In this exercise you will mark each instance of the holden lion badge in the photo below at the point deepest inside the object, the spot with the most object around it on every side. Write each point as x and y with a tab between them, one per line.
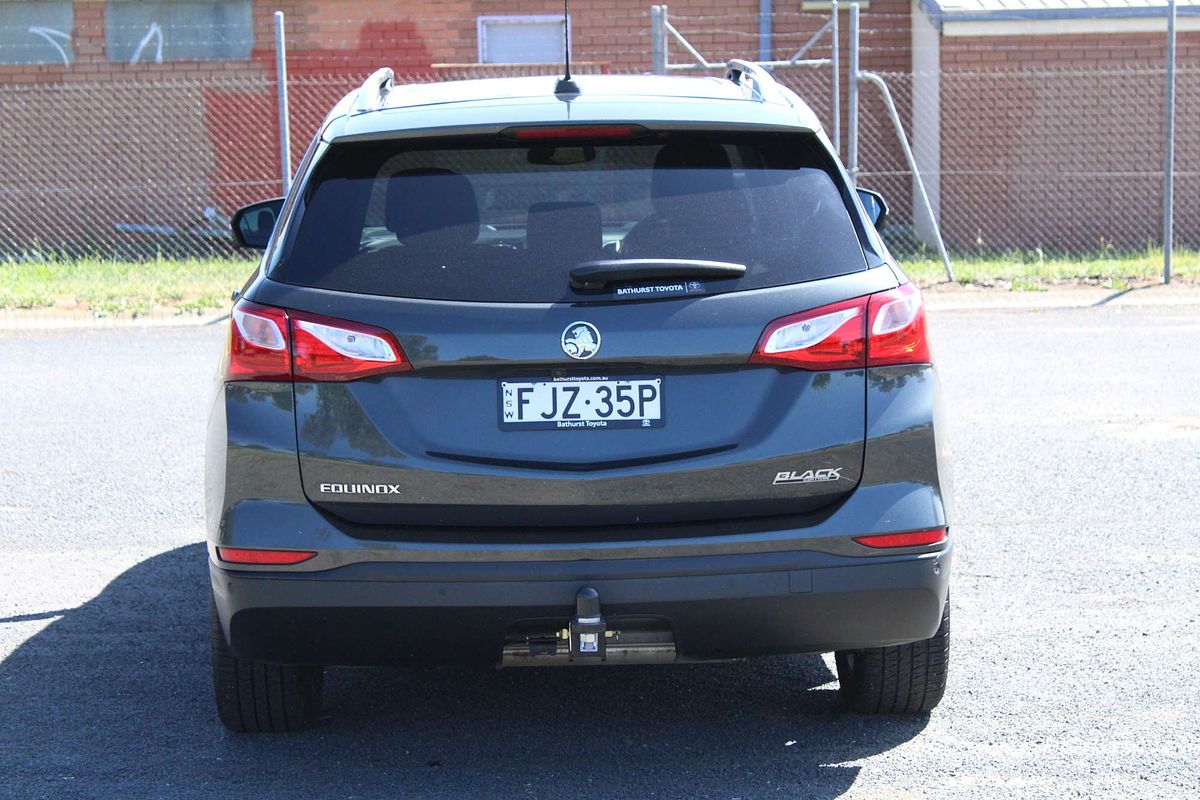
581	340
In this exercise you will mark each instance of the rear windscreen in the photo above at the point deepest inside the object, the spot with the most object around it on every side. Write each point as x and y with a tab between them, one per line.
488	219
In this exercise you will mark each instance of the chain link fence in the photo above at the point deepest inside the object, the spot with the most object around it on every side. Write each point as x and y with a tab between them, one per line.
1054	162
1017	160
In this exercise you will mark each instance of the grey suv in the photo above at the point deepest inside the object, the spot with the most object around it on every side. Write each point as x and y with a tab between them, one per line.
620	375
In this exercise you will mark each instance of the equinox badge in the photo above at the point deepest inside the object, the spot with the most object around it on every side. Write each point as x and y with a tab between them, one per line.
360	488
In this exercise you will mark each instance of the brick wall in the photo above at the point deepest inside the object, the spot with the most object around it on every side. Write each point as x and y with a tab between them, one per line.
1060	140
156	144
333	36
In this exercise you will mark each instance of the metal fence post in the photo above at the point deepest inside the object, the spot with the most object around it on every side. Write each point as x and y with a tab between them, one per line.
654	40
659	40
852	100
871	77
837	83
765	30
666	41
1169	167
285	135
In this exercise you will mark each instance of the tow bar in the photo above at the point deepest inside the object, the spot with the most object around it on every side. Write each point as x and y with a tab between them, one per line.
588	631
588	639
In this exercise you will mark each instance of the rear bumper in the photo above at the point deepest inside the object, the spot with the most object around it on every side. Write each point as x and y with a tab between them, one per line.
715	607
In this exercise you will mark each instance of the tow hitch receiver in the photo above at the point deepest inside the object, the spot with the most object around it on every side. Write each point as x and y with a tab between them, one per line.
588	630
621	640
587	638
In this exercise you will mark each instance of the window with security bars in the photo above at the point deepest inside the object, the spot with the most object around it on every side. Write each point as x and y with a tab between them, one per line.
158	31
521	39
36	33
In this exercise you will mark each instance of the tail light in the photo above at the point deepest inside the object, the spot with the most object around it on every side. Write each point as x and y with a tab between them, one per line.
907	539
878	330
325	349
831	337
258	344
271	344
897	334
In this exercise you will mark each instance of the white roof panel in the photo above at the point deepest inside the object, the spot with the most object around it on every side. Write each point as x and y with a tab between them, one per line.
494	103
1052	9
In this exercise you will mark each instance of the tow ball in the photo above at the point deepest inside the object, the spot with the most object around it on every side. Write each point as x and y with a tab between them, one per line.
588	631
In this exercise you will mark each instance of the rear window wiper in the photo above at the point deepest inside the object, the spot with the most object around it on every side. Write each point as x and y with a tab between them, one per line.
598	274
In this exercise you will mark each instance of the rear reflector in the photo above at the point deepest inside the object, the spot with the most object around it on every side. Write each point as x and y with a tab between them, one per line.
241	555
909	539
271	344
878	330
543	132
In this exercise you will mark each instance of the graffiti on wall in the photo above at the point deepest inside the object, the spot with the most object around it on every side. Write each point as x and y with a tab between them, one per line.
59	40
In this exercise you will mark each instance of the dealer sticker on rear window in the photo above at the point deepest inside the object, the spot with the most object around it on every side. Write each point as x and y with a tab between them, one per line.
652	291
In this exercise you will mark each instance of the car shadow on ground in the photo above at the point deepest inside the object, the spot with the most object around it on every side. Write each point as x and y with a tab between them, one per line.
114	699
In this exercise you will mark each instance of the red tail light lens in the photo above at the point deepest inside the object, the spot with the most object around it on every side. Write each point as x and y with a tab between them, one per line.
242	555
909	539
897	333
258	344
326	349
271	344
877	330
830	337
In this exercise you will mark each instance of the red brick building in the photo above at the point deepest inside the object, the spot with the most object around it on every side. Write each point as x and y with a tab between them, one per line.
1042	122
145	117
72	41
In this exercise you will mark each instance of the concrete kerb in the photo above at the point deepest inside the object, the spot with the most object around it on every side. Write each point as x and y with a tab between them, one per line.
955	297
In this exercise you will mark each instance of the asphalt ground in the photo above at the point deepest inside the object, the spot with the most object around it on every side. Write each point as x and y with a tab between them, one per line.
1075	667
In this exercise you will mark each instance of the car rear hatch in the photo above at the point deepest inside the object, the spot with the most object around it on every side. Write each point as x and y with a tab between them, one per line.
570	354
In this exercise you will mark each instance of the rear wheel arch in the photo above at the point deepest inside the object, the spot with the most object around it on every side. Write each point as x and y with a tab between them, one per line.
259	697
903	679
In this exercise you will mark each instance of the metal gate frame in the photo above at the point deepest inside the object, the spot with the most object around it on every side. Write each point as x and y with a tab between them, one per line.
661	28
662	31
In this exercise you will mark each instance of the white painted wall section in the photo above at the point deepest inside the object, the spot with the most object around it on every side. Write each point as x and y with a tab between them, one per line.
927	121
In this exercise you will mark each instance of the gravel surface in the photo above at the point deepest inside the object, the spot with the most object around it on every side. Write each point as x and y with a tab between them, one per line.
1075	667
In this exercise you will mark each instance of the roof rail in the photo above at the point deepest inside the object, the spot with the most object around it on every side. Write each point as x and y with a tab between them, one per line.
374	91
759	83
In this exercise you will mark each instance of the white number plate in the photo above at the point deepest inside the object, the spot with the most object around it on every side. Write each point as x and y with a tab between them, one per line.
567	403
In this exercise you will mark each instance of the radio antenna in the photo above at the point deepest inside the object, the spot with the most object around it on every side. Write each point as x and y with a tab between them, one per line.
565	85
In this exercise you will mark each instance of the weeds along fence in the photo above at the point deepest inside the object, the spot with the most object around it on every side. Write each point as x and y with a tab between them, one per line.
1020	155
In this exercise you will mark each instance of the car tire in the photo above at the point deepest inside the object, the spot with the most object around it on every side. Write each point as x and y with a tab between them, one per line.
259	697
904	679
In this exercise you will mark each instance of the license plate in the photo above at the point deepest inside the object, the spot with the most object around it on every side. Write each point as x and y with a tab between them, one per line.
580	403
